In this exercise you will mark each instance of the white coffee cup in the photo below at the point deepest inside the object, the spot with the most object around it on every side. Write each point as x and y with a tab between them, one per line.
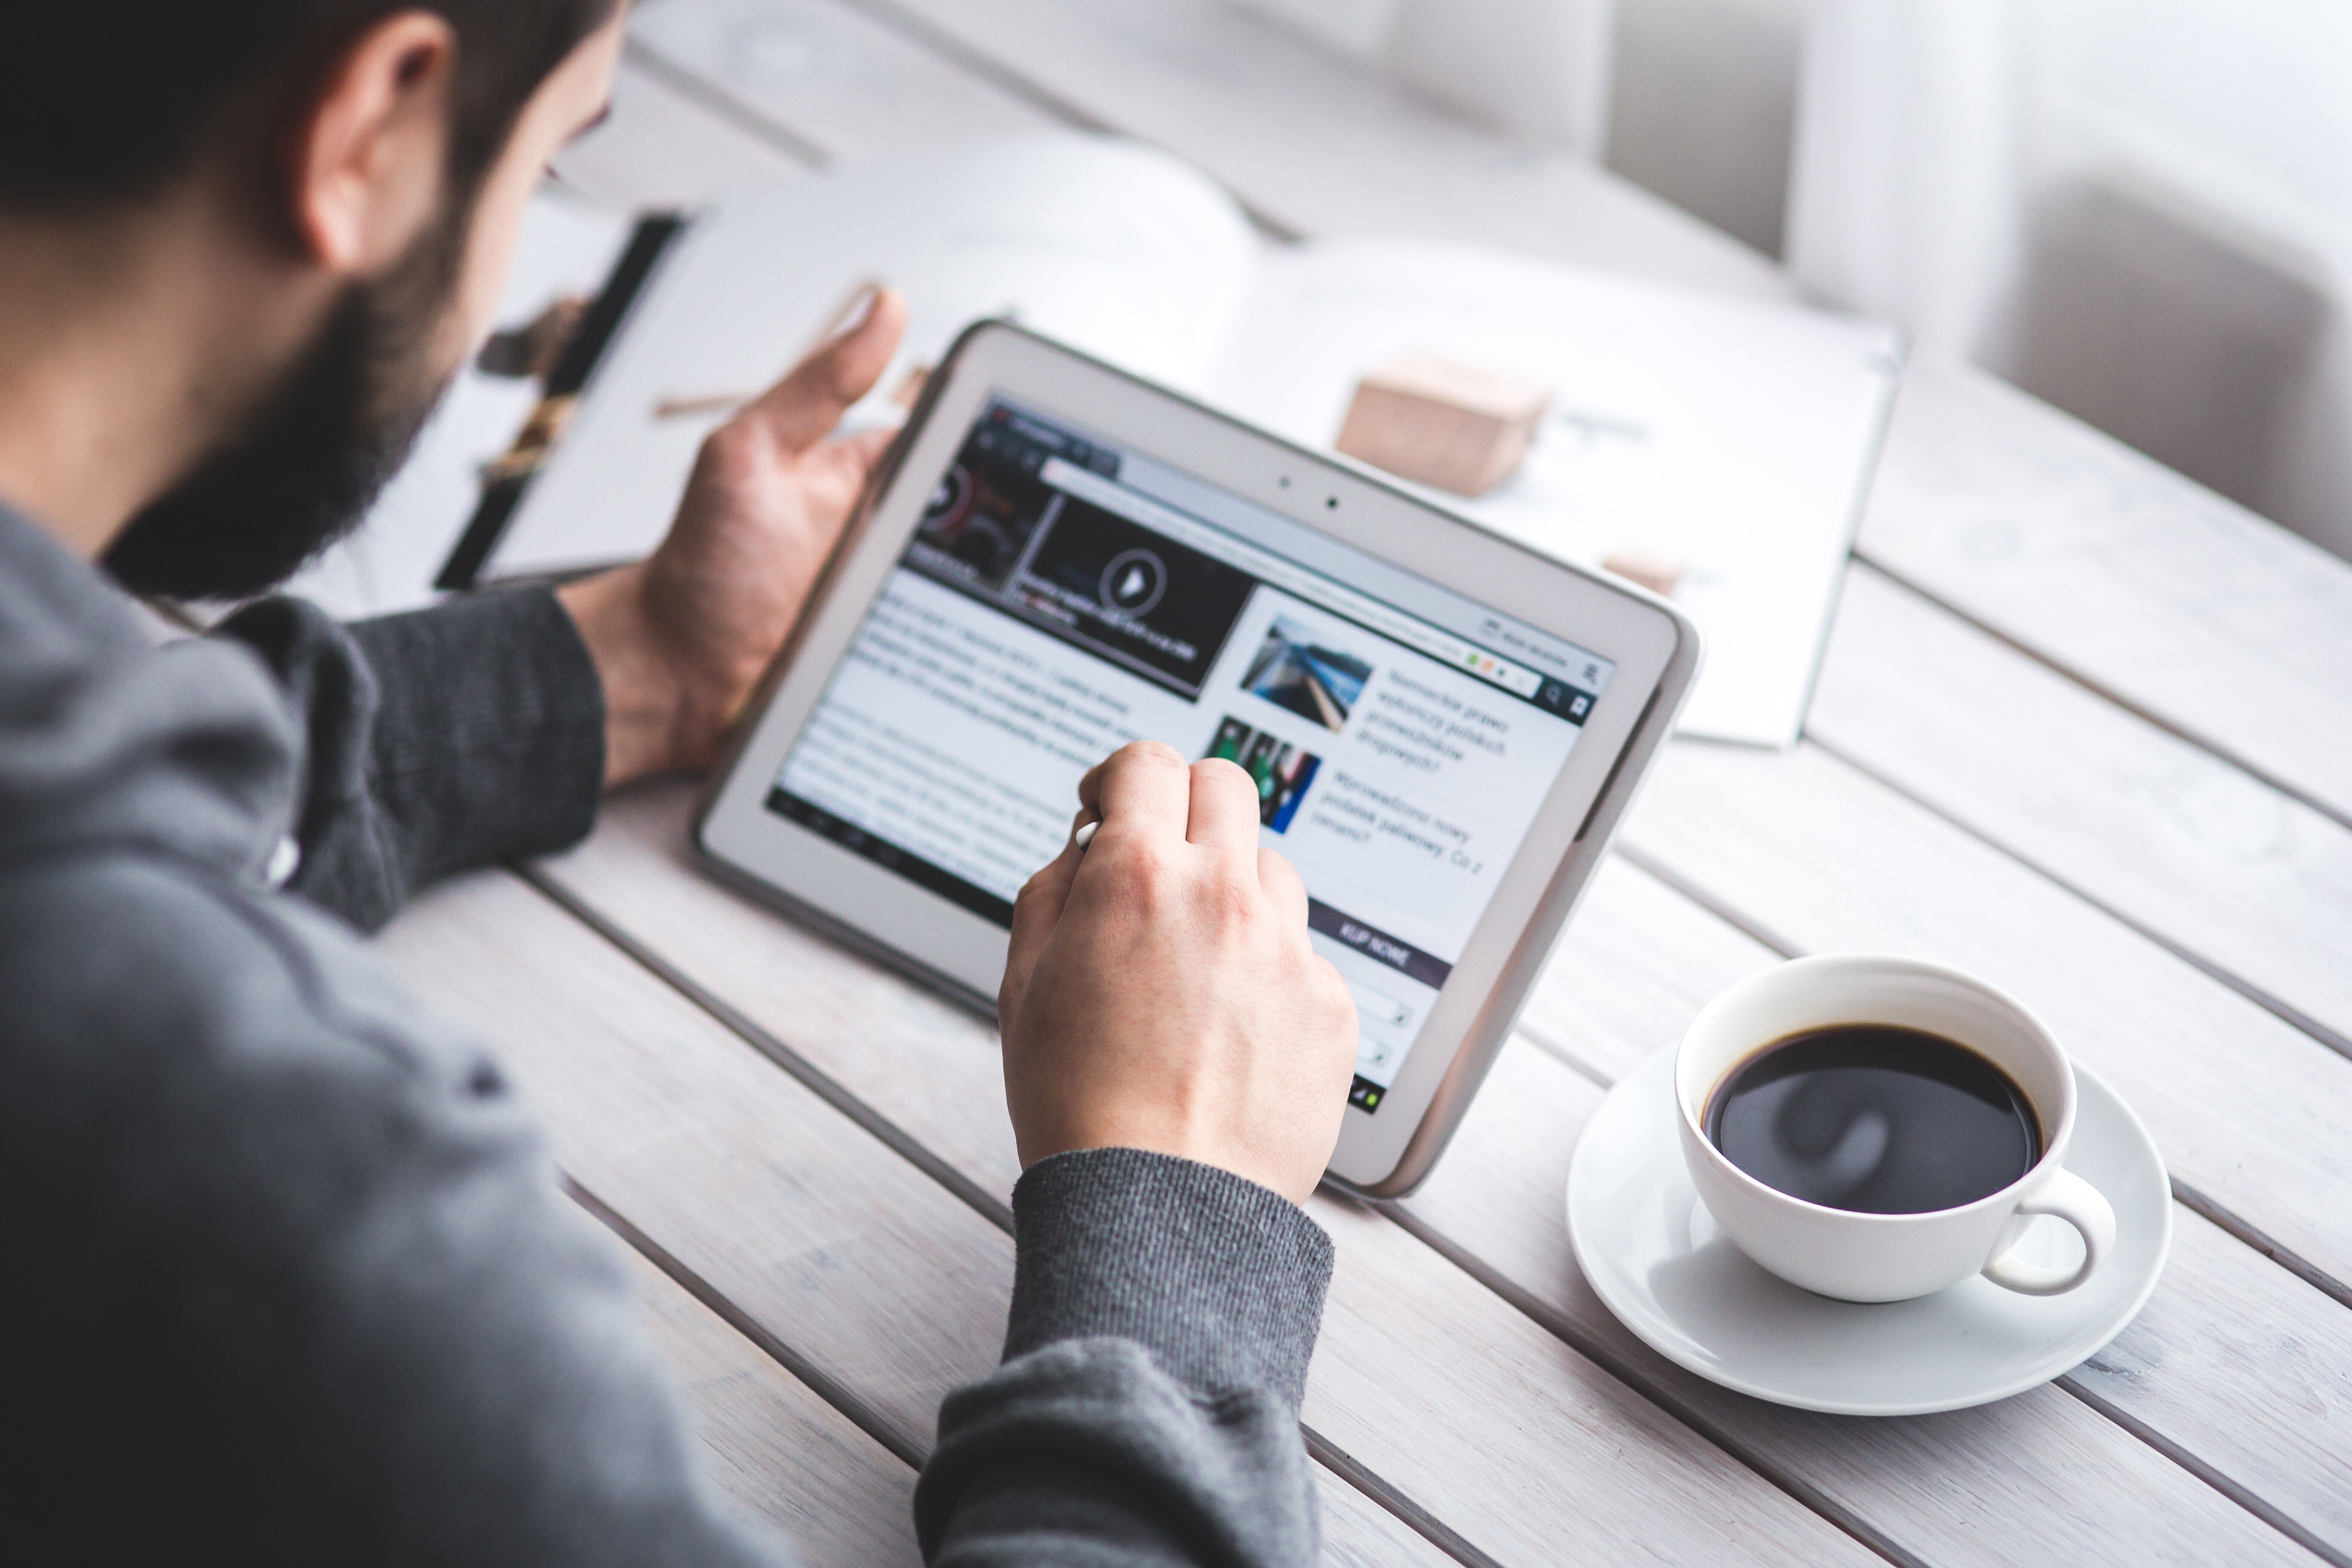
1858	1257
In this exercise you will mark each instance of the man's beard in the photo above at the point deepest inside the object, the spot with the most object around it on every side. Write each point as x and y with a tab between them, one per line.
310	458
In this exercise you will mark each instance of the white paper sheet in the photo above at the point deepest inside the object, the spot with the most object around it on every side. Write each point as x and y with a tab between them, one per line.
1110	247
1735	437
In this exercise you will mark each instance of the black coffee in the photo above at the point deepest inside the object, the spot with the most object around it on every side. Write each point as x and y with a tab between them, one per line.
1875	1119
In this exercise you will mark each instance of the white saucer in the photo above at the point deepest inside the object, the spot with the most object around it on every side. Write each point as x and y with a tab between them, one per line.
1655	1256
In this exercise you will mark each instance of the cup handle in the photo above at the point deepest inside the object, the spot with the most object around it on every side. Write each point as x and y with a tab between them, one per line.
2080	1204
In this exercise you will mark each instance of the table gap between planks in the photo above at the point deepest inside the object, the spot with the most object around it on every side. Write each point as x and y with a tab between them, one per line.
2020	760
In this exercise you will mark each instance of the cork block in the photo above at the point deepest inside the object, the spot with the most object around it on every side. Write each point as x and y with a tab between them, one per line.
1442	422
1661	574
909	390
533	348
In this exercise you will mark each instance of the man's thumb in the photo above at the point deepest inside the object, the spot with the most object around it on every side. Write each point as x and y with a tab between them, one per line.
803	408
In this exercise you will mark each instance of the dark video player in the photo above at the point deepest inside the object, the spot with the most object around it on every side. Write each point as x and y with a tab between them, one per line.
996	531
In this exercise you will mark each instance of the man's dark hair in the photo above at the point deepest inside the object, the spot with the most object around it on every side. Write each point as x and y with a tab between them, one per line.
104	103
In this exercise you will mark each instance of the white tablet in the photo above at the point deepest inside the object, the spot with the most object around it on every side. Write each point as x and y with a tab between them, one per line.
1059	559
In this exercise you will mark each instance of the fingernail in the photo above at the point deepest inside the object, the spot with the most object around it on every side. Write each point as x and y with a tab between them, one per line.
856	312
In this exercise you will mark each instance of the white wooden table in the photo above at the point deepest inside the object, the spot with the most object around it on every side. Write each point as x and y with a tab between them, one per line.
2084	730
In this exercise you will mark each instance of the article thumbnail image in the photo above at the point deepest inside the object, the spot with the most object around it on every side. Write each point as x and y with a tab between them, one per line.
1281	771
980	516
1293	669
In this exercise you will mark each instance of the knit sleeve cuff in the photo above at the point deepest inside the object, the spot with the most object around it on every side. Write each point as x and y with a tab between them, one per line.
489	743
1221	1280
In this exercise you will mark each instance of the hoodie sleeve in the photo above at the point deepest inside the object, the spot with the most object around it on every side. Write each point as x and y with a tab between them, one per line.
434	742
299	1286
1147	1412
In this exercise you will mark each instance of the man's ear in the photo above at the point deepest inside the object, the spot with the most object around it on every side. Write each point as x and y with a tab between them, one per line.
366	161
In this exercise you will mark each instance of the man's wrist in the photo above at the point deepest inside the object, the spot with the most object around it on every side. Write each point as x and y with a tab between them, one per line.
1156	1130
645	699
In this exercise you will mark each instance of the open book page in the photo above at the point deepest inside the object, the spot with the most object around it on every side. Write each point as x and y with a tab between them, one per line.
1735	438
1111	247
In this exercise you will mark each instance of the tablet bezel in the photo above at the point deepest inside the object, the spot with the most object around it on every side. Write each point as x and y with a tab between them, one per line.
1654	648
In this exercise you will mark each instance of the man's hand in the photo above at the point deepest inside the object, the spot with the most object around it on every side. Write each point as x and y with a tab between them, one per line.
681	638
1160	992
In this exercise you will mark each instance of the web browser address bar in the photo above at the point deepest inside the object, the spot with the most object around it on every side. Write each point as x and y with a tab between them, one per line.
1112	497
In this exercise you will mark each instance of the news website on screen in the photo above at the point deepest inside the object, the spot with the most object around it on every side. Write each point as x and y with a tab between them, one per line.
1062	597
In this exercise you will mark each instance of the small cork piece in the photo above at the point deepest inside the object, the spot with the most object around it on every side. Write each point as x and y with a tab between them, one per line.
910	386
536	347
1442	422
540	433
693	406
1661	574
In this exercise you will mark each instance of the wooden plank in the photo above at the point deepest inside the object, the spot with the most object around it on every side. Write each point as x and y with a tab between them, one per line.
2234	1361
1512	1435
2200	854
835	83
2221	626
1421	1369
858	1261
837	1247
787	1457
1636	963
2249	1111
2279	1349
1359	1533
783	1455
661	149
1313	143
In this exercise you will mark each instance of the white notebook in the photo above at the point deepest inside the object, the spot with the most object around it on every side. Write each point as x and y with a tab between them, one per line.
1735	437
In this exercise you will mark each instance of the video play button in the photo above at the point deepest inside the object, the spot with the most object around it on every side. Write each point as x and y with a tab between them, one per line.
1134	581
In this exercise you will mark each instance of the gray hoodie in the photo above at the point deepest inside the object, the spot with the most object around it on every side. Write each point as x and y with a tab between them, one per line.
290	1279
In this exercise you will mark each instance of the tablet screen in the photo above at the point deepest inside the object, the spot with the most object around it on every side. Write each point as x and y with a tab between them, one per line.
1063	596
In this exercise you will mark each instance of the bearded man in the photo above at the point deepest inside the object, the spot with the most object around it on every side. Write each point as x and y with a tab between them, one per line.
290	1279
